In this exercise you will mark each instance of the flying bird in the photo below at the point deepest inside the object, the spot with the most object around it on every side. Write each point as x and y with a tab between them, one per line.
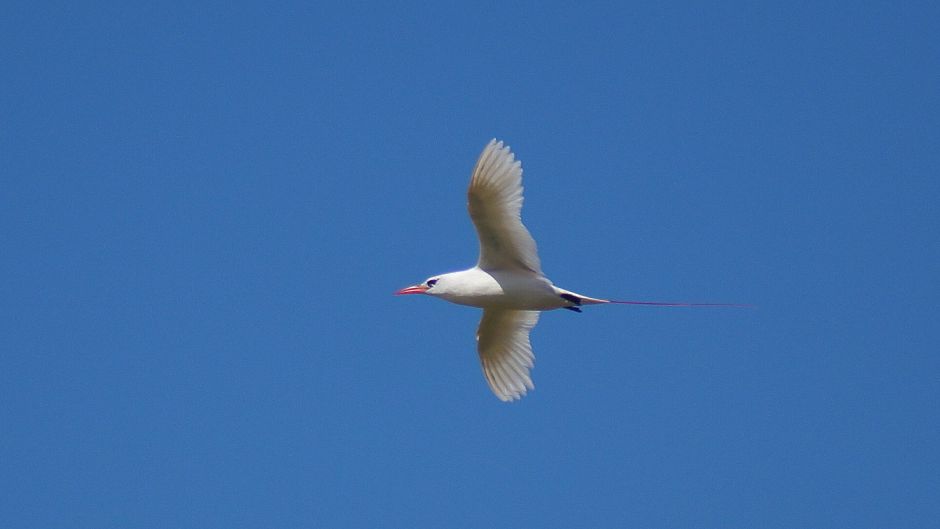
507	281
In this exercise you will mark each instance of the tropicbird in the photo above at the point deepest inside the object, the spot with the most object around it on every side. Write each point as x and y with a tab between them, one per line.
507	281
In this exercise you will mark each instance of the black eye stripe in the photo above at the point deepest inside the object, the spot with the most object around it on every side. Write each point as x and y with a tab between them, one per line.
431	282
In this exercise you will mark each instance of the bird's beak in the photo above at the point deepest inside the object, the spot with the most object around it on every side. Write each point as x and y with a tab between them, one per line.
416	289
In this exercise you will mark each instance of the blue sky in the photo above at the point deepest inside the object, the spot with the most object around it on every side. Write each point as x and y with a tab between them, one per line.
205	208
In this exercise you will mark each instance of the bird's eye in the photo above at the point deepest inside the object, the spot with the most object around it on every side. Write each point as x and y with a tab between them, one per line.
431	282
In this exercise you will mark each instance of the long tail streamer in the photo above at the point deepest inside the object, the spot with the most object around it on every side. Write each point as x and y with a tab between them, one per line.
680	304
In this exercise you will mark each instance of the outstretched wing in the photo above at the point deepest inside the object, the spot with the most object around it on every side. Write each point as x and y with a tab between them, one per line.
505	352
495	203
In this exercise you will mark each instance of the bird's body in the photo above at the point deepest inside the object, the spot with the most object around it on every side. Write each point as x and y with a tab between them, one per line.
507	282
502	289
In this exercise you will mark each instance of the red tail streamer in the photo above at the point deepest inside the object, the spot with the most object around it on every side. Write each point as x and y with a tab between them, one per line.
680	304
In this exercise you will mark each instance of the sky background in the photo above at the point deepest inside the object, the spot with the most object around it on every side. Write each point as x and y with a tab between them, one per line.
205	209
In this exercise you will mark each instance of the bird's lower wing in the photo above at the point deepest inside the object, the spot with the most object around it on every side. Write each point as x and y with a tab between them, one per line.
505	352
494	200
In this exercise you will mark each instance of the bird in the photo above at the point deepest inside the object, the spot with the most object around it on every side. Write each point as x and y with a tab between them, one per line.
507	282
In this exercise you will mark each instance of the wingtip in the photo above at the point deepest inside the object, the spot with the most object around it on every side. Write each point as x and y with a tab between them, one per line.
513	397
497	144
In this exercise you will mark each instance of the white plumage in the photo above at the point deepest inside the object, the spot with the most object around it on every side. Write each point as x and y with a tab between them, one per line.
507	282
494	200
505	353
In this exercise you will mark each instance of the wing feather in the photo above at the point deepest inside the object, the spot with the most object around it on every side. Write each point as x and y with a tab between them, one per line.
494	200
505	351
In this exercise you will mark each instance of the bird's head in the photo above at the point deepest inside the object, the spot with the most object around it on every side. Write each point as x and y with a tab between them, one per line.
426	287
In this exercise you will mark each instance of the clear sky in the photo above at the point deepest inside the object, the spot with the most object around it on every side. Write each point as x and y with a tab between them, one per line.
206	207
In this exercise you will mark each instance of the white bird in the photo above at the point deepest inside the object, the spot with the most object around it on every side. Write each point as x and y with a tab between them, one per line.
507	281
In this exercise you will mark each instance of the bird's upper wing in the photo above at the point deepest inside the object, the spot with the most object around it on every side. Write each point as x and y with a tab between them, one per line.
495	202
505	352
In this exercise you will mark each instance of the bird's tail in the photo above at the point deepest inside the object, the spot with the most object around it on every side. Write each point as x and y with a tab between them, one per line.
578	300
679	304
